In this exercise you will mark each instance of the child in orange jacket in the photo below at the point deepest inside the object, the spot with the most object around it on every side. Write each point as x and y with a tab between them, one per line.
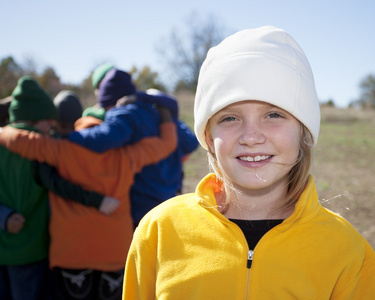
83	240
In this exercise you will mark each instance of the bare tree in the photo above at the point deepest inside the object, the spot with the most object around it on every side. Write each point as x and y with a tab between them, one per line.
185	50
50	81
145	79
367	86
10	71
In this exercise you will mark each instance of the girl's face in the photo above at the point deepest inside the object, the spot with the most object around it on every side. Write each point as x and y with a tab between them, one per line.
255	143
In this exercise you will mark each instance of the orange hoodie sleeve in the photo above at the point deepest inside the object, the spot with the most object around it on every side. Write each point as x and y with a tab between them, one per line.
150	150
31	145
34	146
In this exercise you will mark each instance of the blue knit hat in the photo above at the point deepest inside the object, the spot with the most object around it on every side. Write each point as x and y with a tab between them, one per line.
115	85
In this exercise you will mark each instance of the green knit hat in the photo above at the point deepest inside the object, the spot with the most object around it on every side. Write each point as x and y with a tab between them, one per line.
99	74
96	112
30	102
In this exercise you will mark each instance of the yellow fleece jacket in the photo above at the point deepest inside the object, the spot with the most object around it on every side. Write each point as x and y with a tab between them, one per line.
186	249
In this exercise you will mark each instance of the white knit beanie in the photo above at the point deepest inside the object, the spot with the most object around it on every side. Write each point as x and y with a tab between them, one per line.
264	64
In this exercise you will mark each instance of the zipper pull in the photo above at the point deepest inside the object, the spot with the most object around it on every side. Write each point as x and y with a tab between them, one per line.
250	256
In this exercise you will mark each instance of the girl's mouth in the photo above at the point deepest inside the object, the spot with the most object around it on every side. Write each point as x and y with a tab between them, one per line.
255	158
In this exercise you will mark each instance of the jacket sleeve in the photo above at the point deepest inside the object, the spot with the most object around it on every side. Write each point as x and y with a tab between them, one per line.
187	141
48	177
151	150
362	287
31	145
115	131
140	270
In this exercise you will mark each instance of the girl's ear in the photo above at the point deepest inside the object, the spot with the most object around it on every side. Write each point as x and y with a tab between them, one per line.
209	141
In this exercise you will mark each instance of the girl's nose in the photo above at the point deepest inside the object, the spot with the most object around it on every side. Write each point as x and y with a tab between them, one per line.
252	134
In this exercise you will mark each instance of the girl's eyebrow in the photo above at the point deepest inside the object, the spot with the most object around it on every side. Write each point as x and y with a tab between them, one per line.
276	107
227	111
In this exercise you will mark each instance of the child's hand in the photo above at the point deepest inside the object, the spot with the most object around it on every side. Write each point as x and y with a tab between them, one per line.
160	99
15	223
165	114
109	205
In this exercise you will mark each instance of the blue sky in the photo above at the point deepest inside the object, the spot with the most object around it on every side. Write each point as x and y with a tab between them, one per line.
75	36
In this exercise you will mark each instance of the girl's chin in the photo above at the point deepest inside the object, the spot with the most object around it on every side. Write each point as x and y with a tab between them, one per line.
260	181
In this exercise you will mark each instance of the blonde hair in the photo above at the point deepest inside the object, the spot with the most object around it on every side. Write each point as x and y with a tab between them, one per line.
298	175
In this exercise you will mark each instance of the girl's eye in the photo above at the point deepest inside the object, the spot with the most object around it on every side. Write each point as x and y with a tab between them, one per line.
228	119
274	115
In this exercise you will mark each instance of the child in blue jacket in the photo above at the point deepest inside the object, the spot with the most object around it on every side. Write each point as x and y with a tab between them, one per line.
126	124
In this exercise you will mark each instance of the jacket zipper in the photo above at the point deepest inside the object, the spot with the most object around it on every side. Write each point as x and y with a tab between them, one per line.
250	256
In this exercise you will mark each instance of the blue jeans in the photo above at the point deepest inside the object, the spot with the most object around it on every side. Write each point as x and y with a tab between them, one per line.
25	282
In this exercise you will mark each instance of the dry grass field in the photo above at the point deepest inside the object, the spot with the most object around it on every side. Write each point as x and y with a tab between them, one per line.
344	163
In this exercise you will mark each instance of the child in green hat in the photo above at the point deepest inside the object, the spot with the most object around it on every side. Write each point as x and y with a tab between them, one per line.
24	253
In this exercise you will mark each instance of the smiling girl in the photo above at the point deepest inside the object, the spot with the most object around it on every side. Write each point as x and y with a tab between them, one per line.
254	228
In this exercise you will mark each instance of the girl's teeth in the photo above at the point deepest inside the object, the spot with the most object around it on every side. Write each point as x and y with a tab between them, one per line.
256	158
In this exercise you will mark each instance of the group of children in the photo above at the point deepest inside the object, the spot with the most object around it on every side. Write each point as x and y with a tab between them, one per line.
253	228
88	243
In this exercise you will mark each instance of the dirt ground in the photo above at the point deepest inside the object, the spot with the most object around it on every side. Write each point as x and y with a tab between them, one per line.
344	165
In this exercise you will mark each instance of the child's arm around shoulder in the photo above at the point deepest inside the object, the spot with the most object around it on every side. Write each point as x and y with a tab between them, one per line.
150	150
48	177
168	131
30	145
